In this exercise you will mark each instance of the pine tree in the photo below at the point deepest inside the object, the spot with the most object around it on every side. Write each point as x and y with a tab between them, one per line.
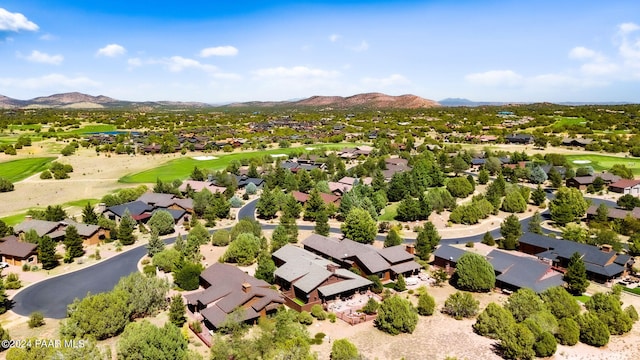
179	245
177	311
428	239
393	238
538	196
314	206
488	239
73	243
292	208
322	224
511	230
535	223
576	275
47	253
126	228
155	244
266	268
267	206
89	216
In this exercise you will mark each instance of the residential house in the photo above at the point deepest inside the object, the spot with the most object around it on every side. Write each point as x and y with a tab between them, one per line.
512	271
386	263
16	252
198	186
53	229
582	182
613	213
519	139
309	278
227	288
626	186
602	264
90	234
576	142
166	201
139	211
327	198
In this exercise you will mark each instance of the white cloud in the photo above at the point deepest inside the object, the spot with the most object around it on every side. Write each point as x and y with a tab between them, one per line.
227	76
134	62
629	47
179	63
626	28
15	22
334	37
394	79
111	50
599	68
295	72
219	51
496	78
581	52
48	37
51	81
43	58
364	46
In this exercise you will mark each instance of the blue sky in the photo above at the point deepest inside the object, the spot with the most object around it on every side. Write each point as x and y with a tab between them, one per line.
215	52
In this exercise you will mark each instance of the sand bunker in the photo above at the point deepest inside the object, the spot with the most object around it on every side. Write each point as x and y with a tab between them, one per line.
278	155
202	158
582	161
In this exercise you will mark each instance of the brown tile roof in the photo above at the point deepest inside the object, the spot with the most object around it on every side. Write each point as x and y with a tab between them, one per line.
624	183
17	249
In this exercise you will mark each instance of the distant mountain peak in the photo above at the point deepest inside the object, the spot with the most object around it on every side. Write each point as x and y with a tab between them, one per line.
370	100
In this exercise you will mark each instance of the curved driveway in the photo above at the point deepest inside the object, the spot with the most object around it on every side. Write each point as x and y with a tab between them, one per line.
52	296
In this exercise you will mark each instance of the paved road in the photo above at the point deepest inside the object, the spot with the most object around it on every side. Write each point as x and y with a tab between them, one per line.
52	296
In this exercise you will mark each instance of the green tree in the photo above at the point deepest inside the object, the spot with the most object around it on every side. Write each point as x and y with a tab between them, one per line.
155	244
400	284
393	238
220	238
343	349
474	273
538	196
511	230
488	239
568	331
426	304
560	303
72	243
459	187
188	276
162	222
47	253
483	176
537	175
322	224
266	268
146	295
168	260
55	213
494	322
518	344
126	228
246	225
99	316
359	226
514	202
177	311
396	315
428	238
89	215
267	206
535	223
524	303
243	250
609	310
197	174
279	238
314	206
568	206
576	275
461	305
143	340
592	330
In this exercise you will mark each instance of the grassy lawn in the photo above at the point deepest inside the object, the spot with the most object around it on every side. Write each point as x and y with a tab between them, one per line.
181	168
14	219
604	162
18	218
568	121
298	301
16	170
91	128
581	298
389	212
633	291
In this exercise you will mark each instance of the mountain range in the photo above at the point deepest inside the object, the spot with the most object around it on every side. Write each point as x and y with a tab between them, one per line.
76	100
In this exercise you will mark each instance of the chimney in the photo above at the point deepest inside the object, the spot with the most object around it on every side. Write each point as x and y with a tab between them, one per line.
102	207
606	248
28	218
332	268
410	248
246	287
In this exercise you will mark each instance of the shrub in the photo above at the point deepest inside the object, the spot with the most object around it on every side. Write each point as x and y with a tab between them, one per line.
317	339
568	332
26	267
220	238
12	281
149	270
371	307
396	315
475	273
318	312
426	304
196	326
305	318
461	305
36	319
332	317
546	345
593	331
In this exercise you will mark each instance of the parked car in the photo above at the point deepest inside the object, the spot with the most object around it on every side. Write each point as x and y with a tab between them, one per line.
3	265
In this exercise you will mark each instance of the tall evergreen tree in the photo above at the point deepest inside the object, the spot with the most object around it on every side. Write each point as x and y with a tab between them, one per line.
538	196
322	224
428	239
126	228
267	206
314	206
155	244
47	253
266	268
511	230
576	275
89	216
535	223
177	311
393	238
72	243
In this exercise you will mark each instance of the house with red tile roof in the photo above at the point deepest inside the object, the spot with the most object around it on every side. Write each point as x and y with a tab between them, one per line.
626	186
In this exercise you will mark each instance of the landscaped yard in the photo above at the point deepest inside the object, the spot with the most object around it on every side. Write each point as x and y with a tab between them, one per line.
568	121
604	162
79	204
16	170
181	168
389	213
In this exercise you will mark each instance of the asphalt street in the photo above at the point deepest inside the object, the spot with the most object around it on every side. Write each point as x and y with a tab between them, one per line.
52	296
